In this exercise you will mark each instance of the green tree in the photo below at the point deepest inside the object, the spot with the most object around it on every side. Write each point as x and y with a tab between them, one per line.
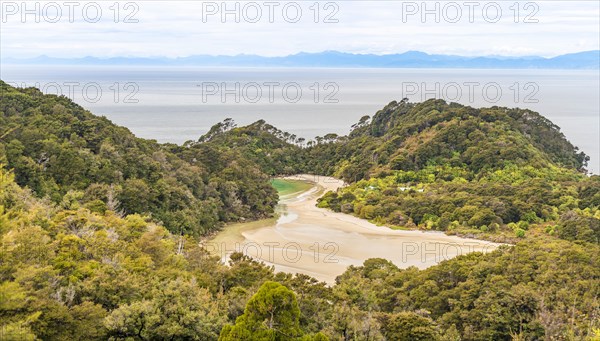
178	310
271	314
409	326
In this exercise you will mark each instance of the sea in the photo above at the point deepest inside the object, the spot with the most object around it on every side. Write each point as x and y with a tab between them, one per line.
180	103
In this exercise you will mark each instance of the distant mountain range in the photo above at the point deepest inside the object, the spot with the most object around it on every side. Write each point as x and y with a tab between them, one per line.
410	59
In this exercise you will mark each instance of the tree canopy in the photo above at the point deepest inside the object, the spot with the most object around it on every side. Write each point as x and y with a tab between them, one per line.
99	229
61	151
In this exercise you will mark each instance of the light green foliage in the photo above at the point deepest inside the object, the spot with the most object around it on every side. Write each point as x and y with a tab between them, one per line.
408	326
75	274
84	257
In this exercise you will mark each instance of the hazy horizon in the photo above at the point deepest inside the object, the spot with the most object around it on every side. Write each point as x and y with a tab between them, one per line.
303	53
152	28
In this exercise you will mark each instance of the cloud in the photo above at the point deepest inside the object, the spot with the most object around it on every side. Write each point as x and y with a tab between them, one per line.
183	28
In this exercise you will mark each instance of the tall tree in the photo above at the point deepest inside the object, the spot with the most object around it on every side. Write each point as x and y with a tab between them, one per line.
271	314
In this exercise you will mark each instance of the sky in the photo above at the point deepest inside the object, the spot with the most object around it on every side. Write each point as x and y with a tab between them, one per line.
70	29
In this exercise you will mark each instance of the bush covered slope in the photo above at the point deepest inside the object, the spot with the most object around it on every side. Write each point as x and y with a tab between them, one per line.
453	168
84	257
65	153
275	152
68	273
410	137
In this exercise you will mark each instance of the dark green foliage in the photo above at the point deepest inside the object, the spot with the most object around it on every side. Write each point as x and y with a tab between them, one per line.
491	171
275	152
494	203
271	314
527	292
409	137
573	226
56	147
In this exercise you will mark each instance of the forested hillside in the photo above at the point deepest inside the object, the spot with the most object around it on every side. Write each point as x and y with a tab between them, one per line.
497	173
98	228
65	153
409	137
275	152
69	273
493	172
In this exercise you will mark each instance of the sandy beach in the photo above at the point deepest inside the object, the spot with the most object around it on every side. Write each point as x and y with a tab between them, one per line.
321	243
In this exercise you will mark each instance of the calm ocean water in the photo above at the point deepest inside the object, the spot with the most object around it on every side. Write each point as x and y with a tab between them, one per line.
176	104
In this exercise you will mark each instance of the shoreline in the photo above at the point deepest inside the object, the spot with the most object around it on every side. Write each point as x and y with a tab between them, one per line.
303	238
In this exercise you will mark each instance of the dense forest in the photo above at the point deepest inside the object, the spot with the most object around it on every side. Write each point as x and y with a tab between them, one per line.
64	153
99	229
409	137
492	172
71	273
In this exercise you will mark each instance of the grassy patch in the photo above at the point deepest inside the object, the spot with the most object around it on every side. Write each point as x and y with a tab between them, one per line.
287	187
